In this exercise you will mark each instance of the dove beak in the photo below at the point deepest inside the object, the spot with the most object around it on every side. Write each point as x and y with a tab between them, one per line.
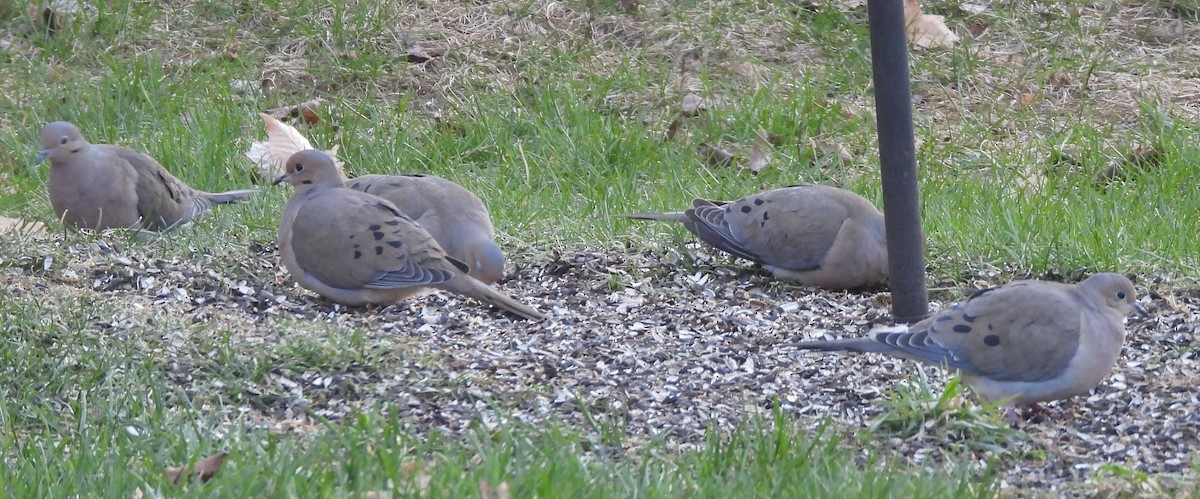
42	155
1141	311
280	179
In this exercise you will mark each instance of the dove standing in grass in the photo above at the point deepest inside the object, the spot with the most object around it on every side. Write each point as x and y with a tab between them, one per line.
816	235
1021	343
101	186
355	248
454	216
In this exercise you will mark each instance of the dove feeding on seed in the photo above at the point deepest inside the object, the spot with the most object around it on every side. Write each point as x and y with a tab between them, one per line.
1021	343
102	186
355	248
817	235
455	217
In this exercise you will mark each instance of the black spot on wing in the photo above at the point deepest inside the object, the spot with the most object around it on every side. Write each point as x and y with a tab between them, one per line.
357	254
991	340
747	209
379	250
962	328
758	201
374	227
377	235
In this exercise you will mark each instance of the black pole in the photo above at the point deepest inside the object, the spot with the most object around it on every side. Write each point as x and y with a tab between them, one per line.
898	160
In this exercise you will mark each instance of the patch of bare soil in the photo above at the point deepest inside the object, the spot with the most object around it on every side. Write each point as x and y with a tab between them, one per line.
635	341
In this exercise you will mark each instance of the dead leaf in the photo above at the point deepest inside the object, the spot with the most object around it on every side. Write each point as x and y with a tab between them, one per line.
1026	99
689	62
977	29
1140	159
22	227
926	31
673	128
1166	31
831	148
498	492
205	469
760	152
306	109
283	140
714	155
692	105
1059	79
1145	157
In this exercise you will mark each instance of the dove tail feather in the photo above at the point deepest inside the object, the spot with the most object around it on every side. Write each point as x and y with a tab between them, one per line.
672	216
862	345
230	196
476	289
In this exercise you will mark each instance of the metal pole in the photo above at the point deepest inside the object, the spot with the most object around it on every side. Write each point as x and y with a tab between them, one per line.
897	160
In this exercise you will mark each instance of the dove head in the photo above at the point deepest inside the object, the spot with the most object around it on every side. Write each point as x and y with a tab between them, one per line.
1114	291
60	139
311	168
486	261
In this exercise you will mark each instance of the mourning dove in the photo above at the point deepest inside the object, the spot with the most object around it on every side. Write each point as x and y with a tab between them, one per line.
1021	343
817	235
355	248
454	216
101	186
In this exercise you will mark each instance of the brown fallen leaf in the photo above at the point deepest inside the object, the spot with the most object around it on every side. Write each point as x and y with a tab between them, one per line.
760	152
205	469
692	105
283	140
1026	99
831	148
714	155
1059	79
673	128
926	31
1140	159
306	110
498	492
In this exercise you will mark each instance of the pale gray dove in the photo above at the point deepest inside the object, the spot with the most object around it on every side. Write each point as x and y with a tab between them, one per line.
454	216
1021	343
355	248
101	186
817	235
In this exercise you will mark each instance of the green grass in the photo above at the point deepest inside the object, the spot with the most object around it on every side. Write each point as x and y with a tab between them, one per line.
557	129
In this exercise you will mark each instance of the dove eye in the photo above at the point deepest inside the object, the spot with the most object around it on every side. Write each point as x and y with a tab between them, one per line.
62	140
299	167
1120	295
